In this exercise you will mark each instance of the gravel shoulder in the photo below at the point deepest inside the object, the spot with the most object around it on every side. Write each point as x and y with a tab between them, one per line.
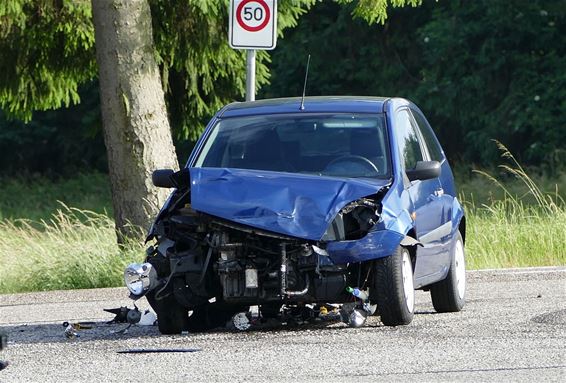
513	328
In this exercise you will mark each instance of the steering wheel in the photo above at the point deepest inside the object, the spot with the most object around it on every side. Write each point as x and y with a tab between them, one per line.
355	159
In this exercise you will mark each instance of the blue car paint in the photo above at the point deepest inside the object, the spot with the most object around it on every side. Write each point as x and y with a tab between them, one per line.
376	244
296	205
397	205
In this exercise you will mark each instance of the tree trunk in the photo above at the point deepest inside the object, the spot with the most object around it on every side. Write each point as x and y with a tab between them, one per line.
136	130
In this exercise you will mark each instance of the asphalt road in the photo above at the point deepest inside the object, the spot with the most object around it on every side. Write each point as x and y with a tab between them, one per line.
513	328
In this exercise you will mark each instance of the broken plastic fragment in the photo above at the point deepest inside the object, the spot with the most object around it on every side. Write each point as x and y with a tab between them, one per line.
70	332
241	322
3	340
357	318
157	350
148	318
358	293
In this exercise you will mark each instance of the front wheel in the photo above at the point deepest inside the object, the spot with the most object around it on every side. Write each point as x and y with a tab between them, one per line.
448	295
393	288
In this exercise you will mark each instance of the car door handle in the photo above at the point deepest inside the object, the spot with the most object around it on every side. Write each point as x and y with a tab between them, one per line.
436	195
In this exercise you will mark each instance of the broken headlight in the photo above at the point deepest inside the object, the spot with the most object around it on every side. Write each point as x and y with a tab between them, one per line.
140	278
353	221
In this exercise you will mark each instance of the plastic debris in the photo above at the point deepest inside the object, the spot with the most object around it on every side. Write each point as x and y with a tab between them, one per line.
241	322
70	332
3	345
157	350
79	325
132	316
121	314
148	318
3	340
364	296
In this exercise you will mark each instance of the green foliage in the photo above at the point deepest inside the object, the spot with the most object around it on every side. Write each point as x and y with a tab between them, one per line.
55	143
200	71
47	52
375	11
497	69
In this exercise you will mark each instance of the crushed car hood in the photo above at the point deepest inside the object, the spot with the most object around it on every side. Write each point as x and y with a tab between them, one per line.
290	204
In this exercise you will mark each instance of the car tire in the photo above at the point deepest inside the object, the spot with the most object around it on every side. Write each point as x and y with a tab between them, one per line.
448	295
393	288
172	318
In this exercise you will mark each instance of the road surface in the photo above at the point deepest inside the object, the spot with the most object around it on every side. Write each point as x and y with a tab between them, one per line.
513	328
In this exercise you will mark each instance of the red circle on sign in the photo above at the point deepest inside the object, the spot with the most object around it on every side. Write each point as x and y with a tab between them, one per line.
247	27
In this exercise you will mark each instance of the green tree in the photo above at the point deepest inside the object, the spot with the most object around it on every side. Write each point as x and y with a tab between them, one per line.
50	53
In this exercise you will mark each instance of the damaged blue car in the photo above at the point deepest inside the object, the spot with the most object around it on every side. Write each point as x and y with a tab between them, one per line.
290	202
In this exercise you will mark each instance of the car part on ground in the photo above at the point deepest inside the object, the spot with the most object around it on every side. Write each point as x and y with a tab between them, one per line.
3	345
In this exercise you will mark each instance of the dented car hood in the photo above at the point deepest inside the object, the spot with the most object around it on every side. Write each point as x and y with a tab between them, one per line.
296	205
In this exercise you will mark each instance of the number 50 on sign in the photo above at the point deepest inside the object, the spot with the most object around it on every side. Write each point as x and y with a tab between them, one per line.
253	24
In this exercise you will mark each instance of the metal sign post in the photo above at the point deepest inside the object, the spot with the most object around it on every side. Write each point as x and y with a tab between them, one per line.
252	26
250	75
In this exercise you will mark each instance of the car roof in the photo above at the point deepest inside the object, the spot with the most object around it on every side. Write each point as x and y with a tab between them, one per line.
322	104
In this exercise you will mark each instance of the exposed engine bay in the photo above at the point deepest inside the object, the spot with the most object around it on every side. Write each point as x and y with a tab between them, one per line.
197	258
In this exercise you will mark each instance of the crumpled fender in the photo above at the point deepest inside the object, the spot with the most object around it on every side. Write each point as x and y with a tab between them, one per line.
383	239
376	244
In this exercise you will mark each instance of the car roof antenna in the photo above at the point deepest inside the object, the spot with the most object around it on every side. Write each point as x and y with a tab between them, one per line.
302	107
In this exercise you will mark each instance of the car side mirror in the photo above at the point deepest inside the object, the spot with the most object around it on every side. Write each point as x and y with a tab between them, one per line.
162	178
424	170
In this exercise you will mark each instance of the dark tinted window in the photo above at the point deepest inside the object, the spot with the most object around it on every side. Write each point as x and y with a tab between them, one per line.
408	141
428	135
351	145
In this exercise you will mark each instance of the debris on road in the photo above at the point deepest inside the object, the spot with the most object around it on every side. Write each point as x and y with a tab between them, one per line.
121	314
3	340
3	345
132	316
157	350
70	331
79	325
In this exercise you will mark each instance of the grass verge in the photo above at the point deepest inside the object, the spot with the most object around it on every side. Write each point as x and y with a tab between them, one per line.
74	249
513	233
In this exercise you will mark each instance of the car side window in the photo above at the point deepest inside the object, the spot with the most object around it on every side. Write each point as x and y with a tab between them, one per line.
434	149
408	140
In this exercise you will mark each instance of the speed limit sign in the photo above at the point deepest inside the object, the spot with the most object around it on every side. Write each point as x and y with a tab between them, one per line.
253	24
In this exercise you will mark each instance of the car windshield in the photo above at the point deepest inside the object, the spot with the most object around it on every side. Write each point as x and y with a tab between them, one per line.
342	145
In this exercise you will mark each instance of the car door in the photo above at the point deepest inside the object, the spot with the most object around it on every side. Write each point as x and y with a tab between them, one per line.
427	214
446	192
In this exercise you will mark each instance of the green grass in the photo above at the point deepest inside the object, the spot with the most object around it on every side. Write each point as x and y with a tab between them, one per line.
74	249
509	224
510	234
526	228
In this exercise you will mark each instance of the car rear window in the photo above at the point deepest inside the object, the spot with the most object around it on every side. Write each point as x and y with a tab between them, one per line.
351	145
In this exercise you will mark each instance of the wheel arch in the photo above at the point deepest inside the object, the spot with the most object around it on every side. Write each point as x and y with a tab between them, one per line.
462	228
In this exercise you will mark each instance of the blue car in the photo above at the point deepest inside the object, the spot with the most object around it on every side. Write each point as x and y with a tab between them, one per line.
289	203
